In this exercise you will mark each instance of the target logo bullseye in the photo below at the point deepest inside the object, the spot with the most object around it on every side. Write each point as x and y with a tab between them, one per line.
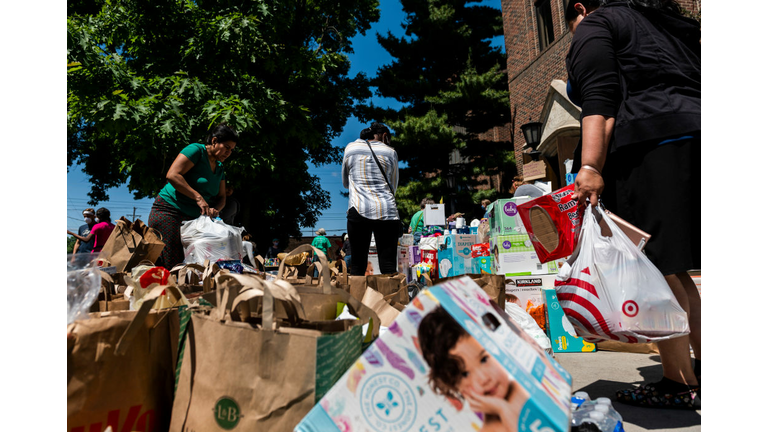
629	308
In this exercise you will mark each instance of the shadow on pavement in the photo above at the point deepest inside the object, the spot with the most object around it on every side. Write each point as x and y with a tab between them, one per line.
647	418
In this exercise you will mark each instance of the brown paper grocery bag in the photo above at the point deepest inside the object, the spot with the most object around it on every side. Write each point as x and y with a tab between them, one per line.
242	372
374	300
386	284
121	368
492	284
320	300
130	243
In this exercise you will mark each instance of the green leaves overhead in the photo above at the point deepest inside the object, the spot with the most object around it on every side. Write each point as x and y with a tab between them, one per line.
145	79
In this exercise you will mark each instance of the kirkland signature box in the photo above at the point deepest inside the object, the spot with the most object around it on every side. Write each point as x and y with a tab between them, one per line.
388	388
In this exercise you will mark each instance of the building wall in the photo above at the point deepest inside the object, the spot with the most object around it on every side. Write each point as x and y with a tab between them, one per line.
530	70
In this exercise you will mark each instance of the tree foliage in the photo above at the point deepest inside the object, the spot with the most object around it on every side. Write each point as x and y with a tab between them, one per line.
146	78
454	87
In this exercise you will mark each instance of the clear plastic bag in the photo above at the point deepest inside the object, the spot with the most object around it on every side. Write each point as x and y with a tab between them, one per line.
207	239
83	285
610	290
528	324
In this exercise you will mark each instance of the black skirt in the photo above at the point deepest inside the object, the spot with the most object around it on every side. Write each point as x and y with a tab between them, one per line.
658	189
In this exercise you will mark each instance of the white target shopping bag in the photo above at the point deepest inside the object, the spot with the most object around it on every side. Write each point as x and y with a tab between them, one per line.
612	291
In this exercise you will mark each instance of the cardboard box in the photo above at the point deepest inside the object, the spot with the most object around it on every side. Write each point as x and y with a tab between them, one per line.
515	255
388	390
455	255
482	265
414	255
559	329
504	218
403	265
527	289
434	214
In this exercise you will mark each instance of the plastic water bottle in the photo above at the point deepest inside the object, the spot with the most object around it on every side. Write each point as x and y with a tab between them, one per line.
597	416
577	399
605	406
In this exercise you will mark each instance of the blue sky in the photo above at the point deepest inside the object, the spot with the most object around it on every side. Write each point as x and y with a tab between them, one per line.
368	57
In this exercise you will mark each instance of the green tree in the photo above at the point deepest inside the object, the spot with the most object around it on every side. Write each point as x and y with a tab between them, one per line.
454	87
146	78
70	244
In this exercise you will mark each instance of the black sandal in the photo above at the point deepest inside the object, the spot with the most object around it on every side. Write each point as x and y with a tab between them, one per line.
653	396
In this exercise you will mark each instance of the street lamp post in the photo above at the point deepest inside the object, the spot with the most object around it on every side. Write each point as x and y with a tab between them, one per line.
532	135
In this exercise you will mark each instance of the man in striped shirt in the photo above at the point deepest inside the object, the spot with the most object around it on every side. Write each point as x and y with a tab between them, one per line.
372	208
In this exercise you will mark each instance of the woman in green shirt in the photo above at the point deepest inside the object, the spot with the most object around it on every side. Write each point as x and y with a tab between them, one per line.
196	186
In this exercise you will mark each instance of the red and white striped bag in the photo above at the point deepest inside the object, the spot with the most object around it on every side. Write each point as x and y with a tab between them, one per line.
612	291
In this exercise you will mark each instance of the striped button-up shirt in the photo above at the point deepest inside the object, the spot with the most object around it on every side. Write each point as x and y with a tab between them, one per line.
368	191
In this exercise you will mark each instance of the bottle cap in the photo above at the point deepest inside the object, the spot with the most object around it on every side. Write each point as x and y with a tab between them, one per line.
604	401
597	416
581	395
602	408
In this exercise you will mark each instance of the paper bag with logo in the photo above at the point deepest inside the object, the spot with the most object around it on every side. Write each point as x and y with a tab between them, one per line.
130	243
492	284
244	367
120	369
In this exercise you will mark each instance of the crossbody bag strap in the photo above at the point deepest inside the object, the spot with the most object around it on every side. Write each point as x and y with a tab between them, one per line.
380	168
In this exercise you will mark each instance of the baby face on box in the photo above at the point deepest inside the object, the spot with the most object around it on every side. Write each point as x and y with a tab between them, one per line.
460	368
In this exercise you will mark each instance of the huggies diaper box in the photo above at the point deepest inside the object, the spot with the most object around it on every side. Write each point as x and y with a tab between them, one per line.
452	361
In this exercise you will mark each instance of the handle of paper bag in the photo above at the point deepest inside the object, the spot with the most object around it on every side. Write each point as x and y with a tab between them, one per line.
138	321
252	287
324	271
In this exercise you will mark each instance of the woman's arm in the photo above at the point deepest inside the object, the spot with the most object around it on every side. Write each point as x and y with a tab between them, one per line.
593	66
180	166
81	238
596	133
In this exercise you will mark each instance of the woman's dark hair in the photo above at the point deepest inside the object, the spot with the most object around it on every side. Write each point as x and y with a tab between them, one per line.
670	6
379	128
570	11
438	335
222	133
366	134
103	215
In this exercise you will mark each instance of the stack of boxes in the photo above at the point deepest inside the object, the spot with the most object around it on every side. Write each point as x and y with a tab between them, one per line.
513	255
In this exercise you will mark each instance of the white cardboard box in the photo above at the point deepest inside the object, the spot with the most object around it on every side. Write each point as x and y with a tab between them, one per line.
434	214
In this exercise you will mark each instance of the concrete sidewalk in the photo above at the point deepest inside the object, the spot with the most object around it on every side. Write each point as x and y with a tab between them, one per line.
603	373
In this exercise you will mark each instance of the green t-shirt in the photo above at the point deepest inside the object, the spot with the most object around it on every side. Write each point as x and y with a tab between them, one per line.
417	222
322	243
199	178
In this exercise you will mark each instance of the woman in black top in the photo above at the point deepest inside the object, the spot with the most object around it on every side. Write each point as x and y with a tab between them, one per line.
634	68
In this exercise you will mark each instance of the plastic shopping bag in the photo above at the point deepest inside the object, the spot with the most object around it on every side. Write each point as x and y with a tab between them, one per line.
528	324
207	239
612	291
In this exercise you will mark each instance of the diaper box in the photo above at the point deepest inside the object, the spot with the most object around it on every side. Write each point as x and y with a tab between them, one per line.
388	388
504	218
561	333
515	255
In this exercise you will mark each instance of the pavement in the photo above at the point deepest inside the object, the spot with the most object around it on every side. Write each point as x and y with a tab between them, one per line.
602	373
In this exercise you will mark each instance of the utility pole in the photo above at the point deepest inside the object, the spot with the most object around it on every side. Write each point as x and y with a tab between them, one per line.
133	218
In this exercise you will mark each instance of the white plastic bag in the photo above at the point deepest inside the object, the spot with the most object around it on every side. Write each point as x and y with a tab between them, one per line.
212	240
528	324
612	291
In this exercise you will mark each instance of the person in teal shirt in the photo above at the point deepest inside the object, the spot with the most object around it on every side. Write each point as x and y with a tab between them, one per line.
196	186
321	242
417	221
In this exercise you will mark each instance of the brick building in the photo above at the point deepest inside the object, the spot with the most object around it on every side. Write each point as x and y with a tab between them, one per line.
537	40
